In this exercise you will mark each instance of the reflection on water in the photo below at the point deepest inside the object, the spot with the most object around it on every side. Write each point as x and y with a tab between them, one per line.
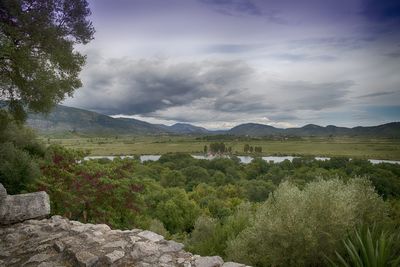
243	159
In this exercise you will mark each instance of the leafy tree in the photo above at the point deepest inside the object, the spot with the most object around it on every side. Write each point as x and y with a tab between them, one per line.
177	212
246	148
172	179
38	65
218	148
205	149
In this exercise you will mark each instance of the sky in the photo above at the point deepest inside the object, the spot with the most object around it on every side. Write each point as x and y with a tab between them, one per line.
220	63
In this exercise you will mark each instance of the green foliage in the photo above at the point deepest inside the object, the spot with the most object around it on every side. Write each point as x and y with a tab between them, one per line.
157	226
211	236
298	227
38	63
91	191
17	168
366	248
19	156
218	148
172	179
261	213
176	211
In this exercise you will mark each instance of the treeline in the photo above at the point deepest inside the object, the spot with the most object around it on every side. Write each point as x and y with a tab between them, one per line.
295	213
221	148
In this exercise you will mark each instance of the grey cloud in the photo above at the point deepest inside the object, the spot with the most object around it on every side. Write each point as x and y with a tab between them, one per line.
303	95
231	48
245	7
200	91
302	57
243	101
334	42
377	94
145	86
234	7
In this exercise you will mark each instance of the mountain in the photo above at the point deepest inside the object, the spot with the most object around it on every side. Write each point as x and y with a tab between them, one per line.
253	129
67	119
185	128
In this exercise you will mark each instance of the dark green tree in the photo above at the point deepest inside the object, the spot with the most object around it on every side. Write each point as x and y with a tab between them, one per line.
246	148
38	63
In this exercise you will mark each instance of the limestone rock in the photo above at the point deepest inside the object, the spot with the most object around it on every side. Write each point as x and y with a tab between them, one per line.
233	264
58	242
114	256
153	237
18	208
214	261
86	259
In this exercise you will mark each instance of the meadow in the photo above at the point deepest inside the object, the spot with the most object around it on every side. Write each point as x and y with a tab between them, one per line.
354	147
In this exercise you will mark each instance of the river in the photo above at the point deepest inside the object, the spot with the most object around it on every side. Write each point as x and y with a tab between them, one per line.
243	159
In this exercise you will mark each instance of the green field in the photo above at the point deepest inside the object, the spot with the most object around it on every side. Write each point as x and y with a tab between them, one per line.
341	146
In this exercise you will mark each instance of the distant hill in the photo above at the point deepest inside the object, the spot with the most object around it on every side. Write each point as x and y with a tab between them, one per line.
252	129
67	119
185	128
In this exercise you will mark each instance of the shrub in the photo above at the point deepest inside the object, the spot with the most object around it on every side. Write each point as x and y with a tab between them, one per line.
298	227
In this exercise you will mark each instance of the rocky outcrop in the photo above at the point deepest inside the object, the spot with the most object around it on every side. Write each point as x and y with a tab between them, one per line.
60	242
17	208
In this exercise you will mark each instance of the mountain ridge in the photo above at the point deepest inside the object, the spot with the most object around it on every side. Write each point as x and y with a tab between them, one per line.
69	119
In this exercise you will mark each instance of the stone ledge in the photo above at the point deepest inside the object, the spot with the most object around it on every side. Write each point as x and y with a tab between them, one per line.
18	208
60	242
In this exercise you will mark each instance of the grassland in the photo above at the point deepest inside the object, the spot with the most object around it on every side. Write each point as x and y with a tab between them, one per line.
313	146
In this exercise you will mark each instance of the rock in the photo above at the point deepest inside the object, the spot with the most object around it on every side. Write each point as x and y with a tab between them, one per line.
53	243
86	259
151	236
115	244
232	264
18	208
144	249
39	258
3	194
59	246
134	239
114	256
214	261
171	246
101	227
165	258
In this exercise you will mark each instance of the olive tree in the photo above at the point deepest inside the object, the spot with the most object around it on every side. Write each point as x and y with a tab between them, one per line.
300	227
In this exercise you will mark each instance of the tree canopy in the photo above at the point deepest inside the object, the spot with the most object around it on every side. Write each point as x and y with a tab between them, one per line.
38	63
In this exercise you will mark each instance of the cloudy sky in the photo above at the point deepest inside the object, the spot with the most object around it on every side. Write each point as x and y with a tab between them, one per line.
219	63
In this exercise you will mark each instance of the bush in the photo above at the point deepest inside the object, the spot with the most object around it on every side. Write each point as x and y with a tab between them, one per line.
19	154
18	170
298	227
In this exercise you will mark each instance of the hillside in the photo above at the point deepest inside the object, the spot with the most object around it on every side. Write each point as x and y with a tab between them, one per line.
391	130
68	119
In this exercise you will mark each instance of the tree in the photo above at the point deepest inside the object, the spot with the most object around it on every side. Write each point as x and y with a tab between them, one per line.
38	64
205	149
246	148
301	227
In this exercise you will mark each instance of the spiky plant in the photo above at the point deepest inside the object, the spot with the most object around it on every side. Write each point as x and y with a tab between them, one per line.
368	248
